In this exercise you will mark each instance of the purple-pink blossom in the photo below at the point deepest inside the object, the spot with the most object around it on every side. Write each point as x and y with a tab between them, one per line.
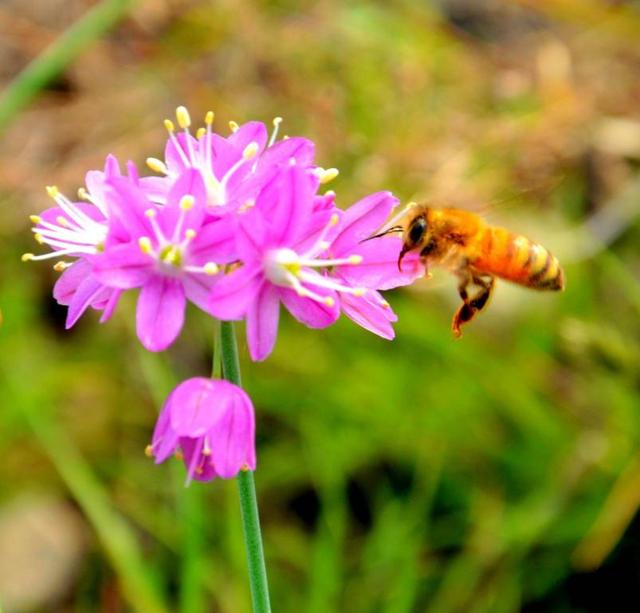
211	424
235	225
306	254
377	269
172	254
233	168
279	242
79	230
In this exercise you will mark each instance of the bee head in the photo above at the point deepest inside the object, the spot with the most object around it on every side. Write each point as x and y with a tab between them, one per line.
414	235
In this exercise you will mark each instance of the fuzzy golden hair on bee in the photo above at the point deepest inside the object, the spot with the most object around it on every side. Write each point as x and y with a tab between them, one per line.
476	252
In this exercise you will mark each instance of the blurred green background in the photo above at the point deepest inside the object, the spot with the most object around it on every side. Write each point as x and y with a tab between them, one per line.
496	473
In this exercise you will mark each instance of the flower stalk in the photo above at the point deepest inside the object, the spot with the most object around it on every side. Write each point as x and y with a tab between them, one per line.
246	488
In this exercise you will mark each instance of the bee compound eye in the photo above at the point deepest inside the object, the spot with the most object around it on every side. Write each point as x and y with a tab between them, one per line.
417	230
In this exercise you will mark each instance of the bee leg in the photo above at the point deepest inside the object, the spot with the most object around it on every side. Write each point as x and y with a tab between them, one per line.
464	312
471	307
480	301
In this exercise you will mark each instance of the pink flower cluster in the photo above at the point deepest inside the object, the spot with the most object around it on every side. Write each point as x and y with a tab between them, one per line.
236	225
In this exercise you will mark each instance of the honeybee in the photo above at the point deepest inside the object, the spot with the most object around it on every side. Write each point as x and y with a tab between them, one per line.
476	253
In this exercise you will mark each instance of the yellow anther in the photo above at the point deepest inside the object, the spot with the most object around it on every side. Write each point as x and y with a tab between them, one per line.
150	213
62	221
385	304
35	219
355	259
329	301
39	238
209	117
144	242
27	257
178	455
335	218
329	175
148	451
200	132
157	165
190	233
168	124
187	202
359	291
246	206
250	150
329	192
286	137
233	126
83	194
60	266
211	268
183	117
53	191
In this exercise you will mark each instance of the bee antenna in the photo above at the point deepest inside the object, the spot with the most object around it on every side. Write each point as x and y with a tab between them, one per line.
391	230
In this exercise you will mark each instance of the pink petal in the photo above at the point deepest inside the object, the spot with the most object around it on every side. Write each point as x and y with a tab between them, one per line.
194	457
252	235
379	266
111	305
250	132
87	293
369	314
362	220
198	287
155	188
310	312
199	466
160	312
262	322
233	436
174	159
164	439
225	154
190	183
287	202
69	280
127	204
196	405
214	242
300	149
123	266
234	293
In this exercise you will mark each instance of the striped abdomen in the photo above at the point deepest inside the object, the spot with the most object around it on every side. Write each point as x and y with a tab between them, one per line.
515	258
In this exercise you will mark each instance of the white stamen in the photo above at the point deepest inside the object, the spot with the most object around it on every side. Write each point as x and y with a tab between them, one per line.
276	126
321	243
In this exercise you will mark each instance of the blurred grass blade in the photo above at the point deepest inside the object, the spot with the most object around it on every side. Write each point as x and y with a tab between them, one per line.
117	538
55	58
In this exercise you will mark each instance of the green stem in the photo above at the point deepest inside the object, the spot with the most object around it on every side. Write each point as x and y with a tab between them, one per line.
246	488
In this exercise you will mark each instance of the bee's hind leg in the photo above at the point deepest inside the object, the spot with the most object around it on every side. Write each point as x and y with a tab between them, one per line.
465	312
470	307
